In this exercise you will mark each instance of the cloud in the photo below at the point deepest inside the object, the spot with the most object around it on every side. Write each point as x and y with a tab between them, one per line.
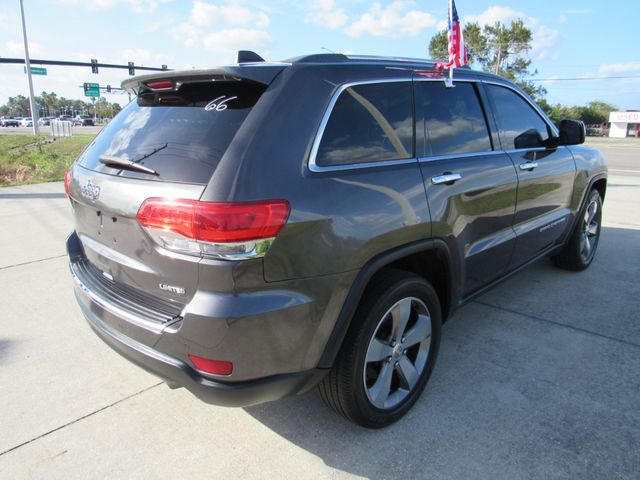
495	14
325	13
205	14
544	39
395	20
235	39
619	67
17	48
206	24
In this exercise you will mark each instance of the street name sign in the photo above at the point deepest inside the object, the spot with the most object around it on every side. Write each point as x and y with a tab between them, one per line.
37	70
91	90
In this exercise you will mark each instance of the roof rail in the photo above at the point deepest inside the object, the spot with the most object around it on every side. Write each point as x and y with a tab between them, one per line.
319	58
379	58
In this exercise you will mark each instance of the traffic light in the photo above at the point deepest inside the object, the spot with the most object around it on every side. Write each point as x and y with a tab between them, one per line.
108	88
85	86
132	71
94	65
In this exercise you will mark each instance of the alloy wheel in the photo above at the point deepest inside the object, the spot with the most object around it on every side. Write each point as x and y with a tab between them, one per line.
590	230
397	353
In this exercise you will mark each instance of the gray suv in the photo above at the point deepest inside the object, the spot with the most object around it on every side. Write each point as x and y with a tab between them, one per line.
253	231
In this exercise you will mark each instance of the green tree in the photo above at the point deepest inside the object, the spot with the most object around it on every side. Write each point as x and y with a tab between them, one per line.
500	49
17	106
599	111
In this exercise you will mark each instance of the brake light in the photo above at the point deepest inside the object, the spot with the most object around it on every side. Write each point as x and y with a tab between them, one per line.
67	182
217	229
160	85
217	367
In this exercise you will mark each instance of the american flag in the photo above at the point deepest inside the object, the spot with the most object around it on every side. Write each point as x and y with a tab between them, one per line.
457	49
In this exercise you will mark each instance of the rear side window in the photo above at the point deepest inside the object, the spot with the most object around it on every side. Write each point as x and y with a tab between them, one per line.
520	126
182	135
451	118
369	123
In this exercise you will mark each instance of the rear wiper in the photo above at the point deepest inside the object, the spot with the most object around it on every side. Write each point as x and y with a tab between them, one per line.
127	164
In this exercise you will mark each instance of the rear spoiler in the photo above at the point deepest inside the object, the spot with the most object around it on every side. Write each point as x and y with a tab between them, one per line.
261	72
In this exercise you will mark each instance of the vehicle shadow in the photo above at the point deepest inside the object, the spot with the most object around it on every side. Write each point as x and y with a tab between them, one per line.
5	346
518	392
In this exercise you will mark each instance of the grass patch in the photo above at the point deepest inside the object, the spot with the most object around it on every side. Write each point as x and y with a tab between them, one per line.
28	159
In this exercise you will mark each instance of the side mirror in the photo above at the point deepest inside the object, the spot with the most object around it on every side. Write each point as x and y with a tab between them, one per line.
572	132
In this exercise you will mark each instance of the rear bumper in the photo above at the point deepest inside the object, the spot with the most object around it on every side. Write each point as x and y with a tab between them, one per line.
238	394
162	348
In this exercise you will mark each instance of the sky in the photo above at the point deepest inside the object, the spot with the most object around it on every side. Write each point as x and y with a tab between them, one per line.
572	39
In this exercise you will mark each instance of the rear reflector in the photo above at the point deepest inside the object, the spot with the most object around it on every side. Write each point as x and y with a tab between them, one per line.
67	182
216	367
215	222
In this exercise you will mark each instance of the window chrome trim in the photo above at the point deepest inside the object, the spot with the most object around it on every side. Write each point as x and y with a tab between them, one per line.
434	158
524	150
531	103
314	167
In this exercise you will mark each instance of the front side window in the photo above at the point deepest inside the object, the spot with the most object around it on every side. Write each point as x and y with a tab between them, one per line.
520	126
452	119
369	123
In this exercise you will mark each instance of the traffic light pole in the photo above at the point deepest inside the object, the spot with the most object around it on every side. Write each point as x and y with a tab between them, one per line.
32	100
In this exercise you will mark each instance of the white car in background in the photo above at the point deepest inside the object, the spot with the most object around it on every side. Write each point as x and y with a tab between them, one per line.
26	122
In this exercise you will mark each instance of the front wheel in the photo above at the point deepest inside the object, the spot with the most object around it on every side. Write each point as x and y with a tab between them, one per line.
580	250
389	352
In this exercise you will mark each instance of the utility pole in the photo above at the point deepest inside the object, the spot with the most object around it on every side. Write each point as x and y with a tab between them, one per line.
32	100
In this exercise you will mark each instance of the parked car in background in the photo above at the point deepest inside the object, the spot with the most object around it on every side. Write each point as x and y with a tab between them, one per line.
65	118
9	121
83	121
26	122
45	121
251	231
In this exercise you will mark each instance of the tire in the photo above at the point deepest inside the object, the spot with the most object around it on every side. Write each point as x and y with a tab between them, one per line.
383	368
581	247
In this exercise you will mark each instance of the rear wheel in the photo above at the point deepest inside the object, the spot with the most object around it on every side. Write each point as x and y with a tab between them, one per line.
581	247
389	352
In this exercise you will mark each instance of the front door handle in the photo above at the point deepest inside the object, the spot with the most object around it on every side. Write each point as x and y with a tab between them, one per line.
446	178
528	165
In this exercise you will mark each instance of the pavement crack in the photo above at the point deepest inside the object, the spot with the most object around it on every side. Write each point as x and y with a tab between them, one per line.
559	324
33	261
81	418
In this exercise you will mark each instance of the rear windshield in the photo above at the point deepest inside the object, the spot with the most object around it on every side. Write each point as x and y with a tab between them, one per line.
181	135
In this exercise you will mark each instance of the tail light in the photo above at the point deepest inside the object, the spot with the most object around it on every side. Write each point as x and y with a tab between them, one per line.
67	182
223	230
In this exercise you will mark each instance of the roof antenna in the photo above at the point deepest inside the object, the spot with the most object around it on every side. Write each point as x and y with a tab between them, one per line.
247	56
325	48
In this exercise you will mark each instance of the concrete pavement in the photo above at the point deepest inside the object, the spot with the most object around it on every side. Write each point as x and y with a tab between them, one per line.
539	378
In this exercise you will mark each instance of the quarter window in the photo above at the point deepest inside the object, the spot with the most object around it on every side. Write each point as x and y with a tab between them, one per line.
451	118
519	124
369	123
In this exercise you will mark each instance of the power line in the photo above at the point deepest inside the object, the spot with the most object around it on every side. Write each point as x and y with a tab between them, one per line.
580	78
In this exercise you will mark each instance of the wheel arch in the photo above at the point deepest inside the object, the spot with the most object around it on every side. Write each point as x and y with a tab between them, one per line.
430	259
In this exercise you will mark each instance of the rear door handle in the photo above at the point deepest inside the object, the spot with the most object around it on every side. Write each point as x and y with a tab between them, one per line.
528	165
446	178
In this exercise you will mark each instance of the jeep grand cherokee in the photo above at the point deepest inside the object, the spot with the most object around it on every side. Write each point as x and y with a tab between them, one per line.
252	231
